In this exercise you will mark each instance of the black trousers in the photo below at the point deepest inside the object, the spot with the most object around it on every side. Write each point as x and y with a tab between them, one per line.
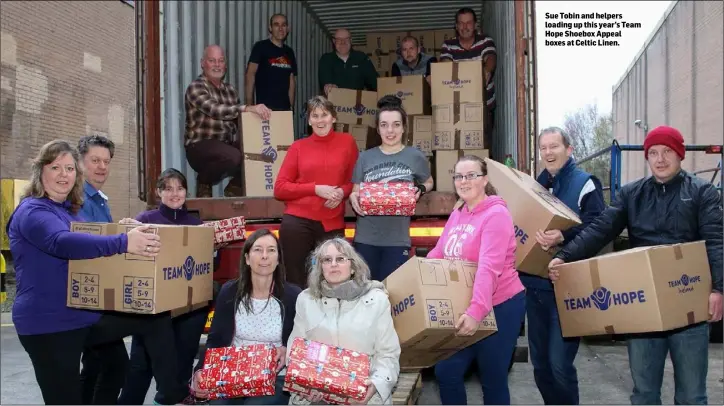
298	238
103	373
56	356
187	330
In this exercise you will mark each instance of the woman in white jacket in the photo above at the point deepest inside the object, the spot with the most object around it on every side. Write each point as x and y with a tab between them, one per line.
343	307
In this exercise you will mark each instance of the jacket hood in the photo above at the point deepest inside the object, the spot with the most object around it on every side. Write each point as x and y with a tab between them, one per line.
372	285
486	204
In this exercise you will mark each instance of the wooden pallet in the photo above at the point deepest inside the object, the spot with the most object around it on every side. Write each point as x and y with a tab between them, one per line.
408	388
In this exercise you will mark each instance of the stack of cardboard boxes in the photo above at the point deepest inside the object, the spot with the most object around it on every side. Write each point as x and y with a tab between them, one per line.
384	48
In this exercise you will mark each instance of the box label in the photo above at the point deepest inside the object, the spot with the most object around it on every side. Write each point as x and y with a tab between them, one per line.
603	299
187	270
685	283
85	288
440	313
403	305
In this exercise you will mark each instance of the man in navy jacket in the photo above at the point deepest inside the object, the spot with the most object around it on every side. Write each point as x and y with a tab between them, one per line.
551	354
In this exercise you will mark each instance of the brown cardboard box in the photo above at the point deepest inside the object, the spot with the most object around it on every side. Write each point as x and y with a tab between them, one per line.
533	208
426	39
365	136
445	166
458	126
179	277
457	82
428	296
420	134
440	37
393	40
412	89
638	290
265	144
354	106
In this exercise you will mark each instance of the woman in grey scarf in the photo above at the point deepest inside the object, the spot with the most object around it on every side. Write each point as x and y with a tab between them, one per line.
343	307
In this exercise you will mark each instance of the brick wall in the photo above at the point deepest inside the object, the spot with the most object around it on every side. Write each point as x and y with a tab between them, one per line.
68	70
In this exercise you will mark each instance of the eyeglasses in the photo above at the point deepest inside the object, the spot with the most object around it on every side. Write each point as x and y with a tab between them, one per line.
469	176
340	260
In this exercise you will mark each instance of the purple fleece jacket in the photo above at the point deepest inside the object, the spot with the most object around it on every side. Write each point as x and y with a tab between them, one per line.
41	244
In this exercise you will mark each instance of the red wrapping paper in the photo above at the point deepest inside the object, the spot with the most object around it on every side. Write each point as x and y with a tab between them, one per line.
231	372
388	198
339	374
227	230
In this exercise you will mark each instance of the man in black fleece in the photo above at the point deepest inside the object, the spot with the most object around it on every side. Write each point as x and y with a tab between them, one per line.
670	207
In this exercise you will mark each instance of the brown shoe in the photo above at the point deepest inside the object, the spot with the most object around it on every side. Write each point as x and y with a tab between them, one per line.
203	190
232	190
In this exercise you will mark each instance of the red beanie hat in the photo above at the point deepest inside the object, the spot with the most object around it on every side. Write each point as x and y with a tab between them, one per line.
664	135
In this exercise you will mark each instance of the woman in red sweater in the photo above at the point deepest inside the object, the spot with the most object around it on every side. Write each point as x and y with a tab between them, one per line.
314	181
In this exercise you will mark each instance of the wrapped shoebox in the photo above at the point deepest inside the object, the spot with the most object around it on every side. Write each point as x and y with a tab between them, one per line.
228	230
338	373
388	198
231	372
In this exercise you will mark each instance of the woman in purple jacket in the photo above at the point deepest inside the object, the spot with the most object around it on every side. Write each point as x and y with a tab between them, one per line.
171	187
53	334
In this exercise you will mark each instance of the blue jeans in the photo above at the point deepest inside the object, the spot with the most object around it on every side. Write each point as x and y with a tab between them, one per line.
382	260
689	348
279	398
187	330
552	355
493	355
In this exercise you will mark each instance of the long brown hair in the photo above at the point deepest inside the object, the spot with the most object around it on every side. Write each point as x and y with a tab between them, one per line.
489	188
47	154
244	284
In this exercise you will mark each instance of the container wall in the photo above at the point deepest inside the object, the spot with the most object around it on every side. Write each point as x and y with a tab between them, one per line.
498	21
676	81
189	26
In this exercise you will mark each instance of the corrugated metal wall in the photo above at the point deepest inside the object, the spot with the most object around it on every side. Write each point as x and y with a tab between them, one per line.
189	26
676	81
498	21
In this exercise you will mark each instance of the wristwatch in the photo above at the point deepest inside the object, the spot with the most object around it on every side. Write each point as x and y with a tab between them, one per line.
421	188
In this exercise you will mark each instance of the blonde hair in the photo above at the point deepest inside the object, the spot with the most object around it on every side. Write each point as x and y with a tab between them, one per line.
360	269
320	102
47	154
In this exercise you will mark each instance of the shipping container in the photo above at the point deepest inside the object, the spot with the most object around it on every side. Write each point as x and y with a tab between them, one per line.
172	36
675	80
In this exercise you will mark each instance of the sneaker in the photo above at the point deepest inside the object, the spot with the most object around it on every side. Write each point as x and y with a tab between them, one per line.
232	190
203	190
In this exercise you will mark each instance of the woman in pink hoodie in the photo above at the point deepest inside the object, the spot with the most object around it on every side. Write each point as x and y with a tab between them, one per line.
481	231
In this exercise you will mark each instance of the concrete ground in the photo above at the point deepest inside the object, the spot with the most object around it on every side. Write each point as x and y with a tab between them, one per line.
602	369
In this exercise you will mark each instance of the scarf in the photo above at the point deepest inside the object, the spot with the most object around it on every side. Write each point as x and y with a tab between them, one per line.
348	290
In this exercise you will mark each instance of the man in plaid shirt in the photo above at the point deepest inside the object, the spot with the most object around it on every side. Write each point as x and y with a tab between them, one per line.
212	111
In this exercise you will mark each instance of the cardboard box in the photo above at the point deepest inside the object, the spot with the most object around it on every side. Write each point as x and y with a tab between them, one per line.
228	230
354	106
337	373
10	192
247	371
420	134
638	290
457	82
458	126
428	296
264	144
393	40
388	198
533	208
365	136
179	276
440	37
412	89
426	39
445	166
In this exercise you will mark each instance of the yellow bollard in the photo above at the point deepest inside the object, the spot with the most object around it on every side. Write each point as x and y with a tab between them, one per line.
3	295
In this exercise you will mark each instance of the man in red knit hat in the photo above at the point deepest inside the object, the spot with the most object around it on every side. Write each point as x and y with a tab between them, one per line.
669	207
